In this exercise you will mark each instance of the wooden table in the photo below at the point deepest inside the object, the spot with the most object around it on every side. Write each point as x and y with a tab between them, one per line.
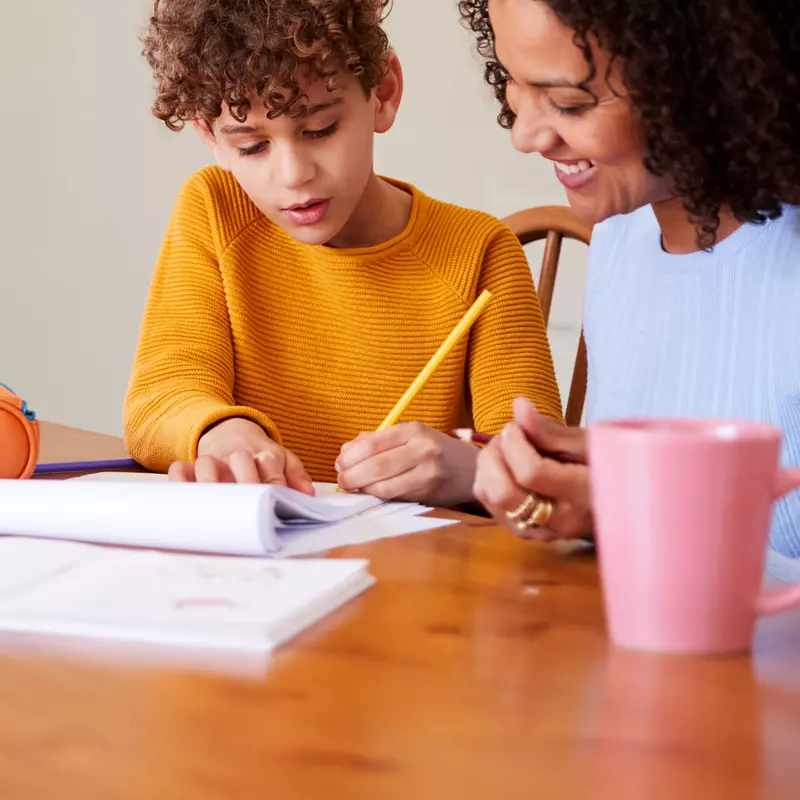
477	667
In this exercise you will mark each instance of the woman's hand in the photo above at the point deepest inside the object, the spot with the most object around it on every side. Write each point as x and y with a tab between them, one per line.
511	468
239	451
409	461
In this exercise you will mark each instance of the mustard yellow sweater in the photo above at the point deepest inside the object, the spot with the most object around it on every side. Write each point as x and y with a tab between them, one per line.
317	344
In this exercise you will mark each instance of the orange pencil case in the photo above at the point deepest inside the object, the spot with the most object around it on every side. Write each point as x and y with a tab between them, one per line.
19	436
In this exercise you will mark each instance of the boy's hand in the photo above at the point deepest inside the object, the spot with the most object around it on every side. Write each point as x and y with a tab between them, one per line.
409	461
238	451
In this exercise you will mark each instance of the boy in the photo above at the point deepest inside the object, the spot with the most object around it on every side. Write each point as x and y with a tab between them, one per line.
297	294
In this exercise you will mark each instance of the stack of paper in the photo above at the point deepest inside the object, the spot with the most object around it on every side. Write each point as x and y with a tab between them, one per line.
72	589
52	586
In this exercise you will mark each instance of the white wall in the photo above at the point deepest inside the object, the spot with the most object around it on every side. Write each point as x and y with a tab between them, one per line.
89	179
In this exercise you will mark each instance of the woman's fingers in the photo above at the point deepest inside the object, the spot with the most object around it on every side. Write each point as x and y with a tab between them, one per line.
547	435
494	485
565	483
508	472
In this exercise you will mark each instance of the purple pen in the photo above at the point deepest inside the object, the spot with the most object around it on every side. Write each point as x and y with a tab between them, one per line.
86	466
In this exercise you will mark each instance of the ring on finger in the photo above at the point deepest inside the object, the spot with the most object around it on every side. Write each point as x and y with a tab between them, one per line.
528	505
539	517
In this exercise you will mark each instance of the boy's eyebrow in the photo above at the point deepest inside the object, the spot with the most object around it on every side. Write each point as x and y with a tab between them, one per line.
324	106
229	130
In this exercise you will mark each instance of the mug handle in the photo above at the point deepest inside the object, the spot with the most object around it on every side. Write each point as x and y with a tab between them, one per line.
781	599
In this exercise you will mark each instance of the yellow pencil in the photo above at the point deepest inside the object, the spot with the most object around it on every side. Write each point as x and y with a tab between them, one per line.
438	357
449	343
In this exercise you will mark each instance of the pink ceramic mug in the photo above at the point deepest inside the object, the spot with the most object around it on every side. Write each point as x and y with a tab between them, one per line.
682	512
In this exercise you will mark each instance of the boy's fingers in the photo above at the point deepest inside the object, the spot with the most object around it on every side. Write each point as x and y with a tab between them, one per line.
208	469
378	469
244	469
296	476
271	465
181	472
407	485
348	445
372	444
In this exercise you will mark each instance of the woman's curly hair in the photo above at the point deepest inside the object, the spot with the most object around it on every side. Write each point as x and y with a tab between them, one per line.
207	54
714	83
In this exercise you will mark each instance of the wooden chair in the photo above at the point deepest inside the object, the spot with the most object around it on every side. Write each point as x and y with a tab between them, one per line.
553	223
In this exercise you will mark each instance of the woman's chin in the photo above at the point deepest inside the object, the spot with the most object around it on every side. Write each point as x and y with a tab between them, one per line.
593	211
587	211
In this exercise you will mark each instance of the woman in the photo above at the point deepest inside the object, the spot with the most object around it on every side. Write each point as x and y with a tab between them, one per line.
675	130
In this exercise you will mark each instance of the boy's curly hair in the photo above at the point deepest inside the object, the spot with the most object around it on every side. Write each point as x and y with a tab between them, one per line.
715	85
207	54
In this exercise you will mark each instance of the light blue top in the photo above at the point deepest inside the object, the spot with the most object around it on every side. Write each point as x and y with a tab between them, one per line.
706	335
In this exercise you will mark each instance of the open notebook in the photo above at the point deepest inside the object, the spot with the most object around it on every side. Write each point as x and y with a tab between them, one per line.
211	602
226	519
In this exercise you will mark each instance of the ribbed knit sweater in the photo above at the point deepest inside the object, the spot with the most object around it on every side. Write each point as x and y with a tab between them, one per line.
317	344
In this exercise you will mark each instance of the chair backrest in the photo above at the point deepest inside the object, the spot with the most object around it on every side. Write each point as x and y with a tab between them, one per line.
553	224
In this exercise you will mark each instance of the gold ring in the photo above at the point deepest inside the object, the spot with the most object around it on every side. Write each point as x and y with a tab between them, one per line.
528	504
540	516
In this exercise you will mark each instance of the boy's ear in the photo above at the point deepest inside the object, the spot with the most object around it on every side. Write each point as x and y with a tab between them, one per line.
389	93
210	141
